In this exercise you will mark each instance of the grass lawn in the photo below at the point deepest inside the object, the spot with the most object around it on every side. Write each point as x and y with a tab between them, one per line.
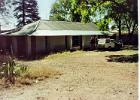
82	75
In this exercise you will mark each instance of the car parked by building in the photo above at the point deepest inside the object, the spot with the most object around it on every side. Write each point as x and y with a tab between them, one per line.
110	44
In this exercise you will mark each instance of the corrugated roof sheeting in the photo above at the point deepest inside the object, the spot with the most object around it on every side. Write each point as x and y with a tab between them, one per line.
26	30
63	25
65	33
58	28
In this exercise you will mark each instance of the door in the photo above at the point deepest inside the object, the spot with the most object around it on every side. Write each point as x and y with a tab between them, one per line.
77	42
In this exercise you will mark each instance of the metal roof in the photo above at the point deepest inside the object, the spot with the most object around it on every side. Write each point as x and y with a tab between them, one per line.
58	28
26	30
63	25
66	33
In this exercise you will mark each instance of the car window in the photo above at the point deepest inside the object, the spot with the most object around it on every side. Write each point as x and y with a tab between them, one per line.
101	41
112	40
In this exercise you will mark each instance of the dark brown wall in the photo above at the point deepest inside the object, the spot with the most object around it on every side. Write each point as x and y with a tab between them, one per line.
33	45
21	46
5	42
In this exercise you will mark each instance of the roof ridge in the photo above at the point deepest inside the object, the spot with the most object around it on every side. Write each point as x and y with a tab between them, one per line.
65	21
69	22
36	26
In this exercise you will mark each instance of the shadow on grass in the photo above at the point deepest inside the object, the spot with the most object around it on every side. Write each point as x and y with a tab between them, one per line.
123	58
130	47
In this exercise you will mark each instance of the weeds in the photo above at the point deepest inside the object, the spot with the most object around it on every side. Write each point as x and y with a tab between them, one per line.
9	70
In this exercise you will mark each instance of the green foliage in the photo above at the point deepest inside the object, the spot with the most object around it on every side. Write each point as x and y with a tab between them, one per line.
20	70
65	10
60	10
84	11
123	13
103	24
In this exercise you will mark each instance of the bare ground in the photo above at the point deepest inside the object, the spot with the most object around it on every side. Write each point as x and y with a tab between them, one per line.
86	76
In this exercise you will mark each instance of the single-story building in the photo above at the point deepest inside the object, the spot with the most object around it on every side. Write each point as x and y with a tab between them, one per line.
47	36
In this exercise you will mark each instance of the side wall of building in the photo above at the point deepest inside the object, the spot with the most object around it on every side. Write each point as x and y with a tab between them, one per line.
28	42
4	42
14	45
48	44
86	41
20	46
40	44
55	43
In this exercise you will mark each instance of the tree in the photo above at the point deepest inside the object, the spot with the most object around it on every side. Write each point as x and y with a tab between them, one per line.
124	13
60	11
5	7
116	14
131	16
5	12
2	6
76	11
99	13
66	10
114	11
26	11
103	24
84	10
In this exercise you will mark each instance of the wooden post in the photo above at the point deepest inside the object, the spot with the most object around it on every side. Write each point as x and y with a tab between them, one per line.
66	43
70	42
83	42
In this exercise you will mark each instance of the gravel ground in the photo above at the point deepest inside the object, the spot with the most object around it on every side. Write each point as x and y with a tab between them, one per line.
86	76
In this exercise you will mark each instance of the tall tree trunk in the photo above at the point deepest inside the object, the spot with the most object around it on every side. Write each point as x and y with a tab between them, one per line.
119	27
133	29
23	6
131	33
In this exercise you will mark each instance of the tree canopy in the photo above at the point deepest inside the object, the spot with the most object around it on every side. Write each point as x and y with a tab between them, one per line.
122	13
5	6
26	11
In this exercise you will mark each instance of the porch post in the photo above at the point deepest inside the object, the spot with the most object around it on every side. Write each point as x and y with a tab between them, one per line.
70	42
83	42
28	46
14	46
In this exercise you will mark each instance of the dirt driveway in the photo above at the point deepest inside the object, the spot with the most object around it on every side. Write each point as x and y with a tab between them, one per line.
86	76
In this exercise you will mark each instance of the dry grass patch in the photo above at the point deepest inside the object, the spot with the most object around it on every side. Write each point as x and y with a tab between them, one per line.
84	53
55	64
34	74
37	72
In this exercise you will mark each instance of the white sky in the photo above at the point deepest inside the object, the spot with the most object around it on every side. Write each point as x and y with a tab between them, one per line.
45	7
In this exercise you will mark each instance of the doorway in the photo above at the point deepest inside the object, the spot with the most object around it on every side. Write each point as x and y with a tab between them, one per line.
77	42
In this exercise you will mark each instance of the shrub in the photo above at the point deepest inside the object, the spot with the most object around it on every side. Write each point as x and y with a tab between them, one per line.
9	70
